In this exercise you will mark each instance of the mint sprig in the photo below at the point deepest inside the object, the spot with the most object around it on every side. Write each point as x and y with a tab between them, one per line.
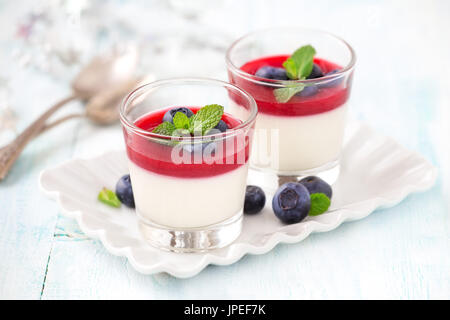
109	197
200	123
283	95
166	128
206	118
300	64
291	68
181	121
298	67
319	204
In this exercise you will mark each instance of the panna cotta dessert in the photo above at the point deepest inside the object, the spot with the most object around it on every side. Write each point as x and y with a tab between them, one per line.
188	162
196	192
309	126
301	92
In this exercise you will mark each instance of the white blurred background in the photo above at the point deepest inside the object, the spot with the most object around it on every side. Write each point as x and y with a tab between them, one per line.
177	38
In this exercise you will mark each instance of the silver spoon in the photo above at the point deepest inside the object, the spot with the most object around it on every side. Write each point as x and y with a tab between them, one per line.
103	108
101	73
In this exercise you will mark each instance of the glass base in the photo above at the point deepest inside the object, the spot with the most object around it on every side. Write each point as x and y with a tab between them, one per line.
192	239
272	180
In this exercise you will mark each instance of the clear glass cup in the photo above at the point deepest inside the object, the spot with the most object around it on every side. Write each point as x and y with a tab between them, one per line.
302	136
189	191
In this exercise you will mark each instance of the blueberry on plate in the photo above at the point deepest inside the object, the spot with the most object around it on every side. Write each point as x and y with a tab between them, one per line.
168	116
269	72
315	73
255	199
221	126
332	82
308	91
124	191
291	202
316	185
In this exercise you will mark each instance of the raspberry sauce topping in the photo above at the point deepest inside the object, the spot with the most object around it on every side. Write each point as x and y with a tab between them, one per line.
152	155
325	99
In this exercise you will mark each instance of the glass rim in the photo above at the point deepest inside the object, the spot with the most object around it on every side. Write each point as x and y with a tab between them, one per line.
283	83
194	80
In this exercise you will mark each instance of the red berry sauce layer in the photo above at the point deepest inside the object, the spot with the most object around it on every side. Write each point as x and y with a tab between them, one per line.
156	157
326	99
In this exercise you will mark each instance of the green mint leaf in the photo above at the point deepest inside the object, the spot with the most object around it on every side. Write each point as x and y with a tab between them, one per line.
205	119
319	204
181	133
195	126
109	197
165	128
300	63
291	68
283	95
298	66
303	58
181	121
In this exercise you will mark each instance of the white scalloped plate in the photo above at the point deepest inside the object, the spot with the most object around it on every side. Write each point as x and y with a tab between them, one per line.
375	172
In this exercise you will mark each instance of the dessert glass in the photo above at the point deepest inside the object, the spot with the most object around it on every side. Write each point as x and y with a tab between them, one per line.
189	191
302	136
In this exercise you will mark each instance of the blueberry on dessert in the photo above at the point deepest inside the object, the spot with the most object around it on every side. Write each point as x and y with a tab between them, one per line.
299	66
333	82
194	147
255	199
183	122
332	72
124	191
274	73
221	126
308	91
291	202
168	116
316	72
205	149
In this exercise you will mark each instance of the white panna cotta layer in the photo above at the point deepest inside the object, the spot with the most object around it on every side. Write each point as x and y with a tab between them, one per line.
188	202
291	144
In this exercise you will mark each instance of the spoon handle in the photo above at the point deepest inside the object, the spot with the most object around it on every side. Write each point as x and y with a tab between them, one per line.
10	152
102	108
59	121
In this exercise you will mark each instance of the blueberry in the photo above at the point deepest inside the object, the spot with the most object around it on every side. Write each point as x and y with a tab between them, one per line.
315	73
255	199
272	73
316	185
204	149
333	82
124	191
168	116
332	72
291	202
194	147
221	126
308	91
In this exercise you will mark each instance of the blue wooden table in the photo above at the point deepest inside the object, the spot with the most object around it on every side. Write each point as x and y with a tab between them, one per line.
401	87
